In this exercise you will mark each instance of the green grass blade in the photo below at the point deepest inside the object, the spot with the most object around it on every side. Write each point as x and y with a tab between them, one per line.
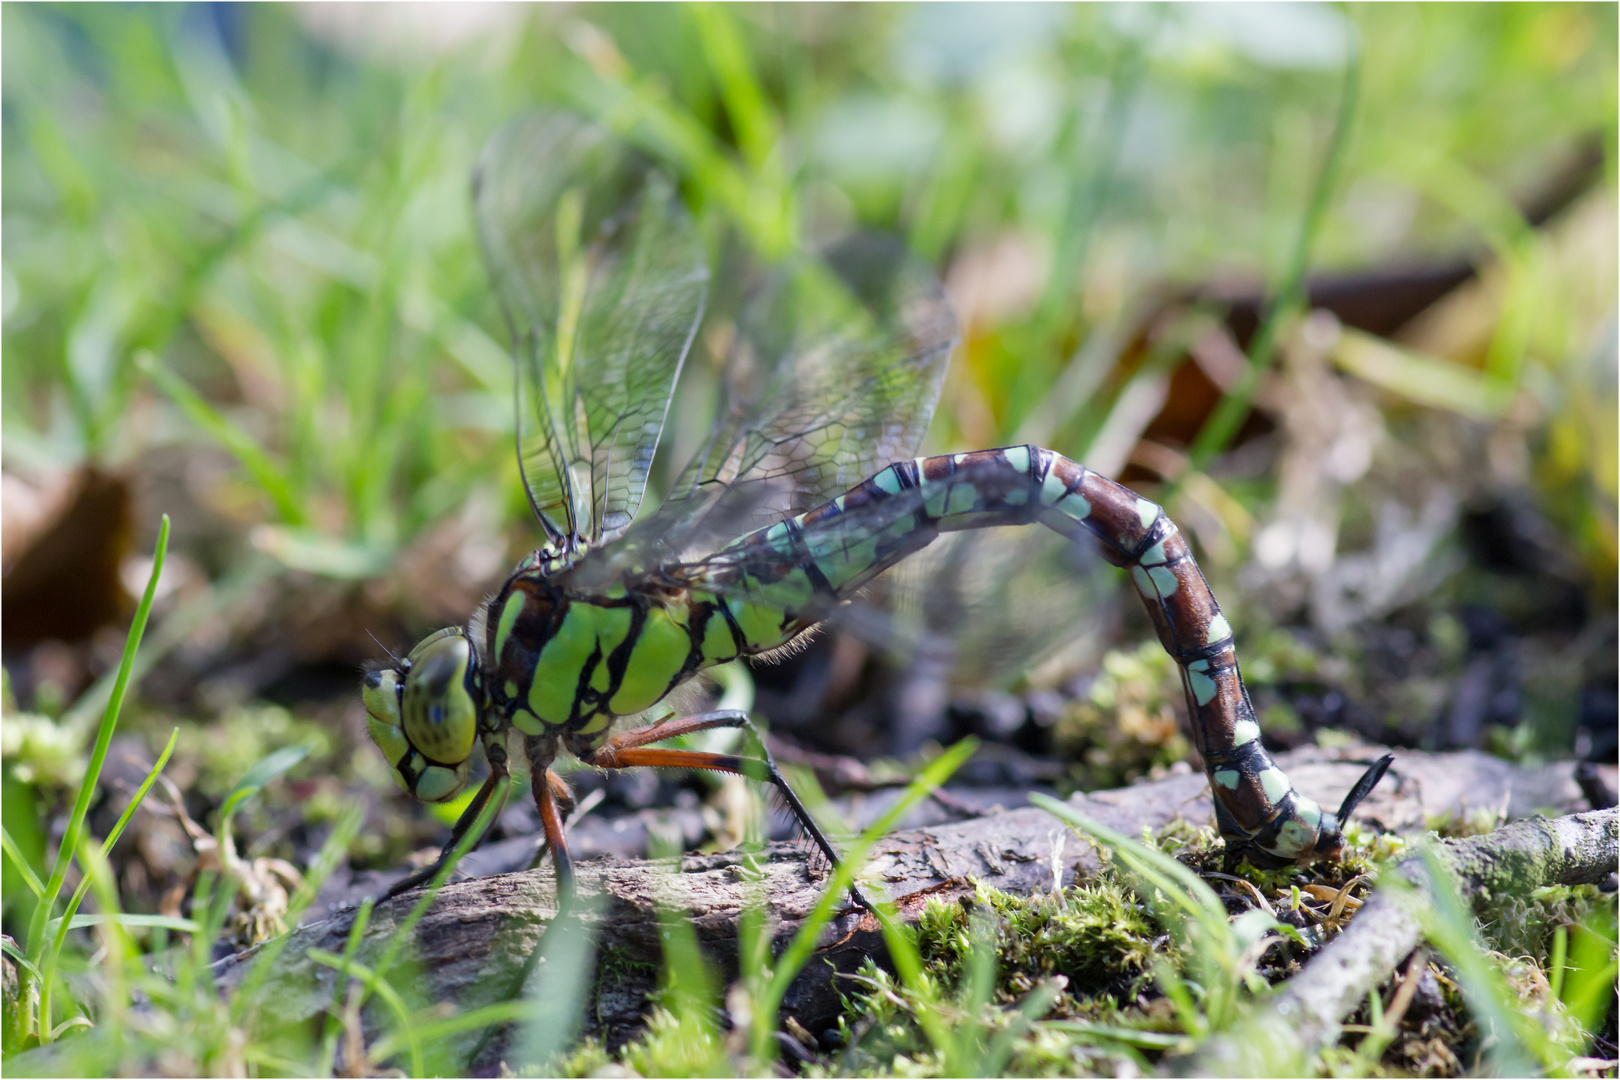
1589	975
1520	1043
270	477
19	958
399	938
167	922
1180	885
375	983
1000	1050
497	1012
1426	380
804	941
564	959
98	756
1147	1040
66	921
351	947
253	781
14	853
745	101
1228	416
332	853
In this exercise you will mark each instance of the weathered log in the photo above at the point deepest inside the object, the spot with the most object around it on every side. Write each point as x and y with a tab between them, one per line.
473	942
1304	1017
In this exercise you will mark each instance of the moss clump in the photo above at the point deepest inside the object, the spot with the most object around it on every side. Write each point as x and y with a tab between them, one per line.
882	1034
1096	935
1526	925
1127	724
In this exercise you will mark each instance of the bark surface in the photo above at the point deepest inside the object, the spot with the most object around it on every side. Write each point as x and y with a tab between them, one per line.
471	946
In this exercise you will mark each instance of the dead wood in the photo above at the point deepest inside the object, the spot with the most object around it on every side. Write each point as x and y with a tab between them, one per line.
1580	849
471	945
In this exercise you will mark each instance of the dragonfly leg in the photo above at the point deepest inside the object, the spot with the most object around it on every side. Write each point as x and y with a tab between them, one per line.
674	728
550	795
496	780
762	769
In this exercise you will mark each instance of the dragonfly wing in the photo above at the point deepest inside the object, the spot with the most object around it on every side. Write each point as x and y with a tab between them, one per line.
602	277
835	373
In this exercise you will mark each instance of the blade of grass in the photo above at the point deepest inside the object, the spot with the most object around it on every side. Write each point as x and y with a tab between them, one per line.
37	937
1223	423
1000	1050
432	1031
118	950
1180	885
351	946
1426	380
804	941
167	922
253	781
332	853
270	477
1589	979
14	853
556	1003
745	102
19	957
1520	1042
378	985
638	108
1147	1040
107	846
399	938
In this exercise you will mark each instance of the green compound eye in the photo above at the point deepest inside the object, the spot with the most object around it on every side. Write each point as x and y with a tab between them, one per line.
441	718
380	691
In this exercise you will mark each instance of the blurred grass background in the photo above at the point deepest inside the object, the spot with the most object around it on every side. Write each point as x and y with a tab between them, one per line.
271	204
240	284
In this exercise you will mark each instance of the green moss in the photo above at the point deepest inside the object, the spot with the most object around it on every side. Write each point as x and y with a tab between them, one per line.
1128	723
1096	935
677	1046
1526	925
882	1036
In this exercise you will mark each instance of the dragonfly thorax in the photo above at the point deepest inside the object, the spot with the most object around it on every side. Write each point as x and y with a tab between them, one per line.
424	714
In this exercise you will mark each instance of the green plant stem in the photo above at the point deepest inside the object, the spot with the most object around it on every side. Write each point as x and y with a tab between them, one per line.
1222	425
798	952
67	922
98	757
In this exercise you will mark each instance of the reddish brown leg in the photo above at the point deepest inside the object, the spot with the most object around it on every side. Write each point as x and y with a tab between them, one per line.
670	729
619	756
547	787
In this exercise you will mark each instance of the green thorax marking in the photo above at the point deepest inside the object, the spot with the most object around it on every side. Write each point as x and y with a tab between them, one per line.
565	662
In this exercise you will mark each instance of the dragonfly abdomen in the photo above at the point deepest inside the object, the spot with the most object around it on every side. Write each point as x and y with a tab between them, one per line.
793	572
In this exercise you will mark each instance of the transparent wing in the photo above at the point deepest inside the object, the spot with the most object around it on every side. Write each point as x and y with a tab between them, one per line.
836	372
1006	599
600	272
988	603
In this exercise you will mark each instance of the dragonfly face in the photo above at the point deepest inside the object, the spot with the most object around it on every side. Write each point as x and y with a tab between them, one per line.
423	714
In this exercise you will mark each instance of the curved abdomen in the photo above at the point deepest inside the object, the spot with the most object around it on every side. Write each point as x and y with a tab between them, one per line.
780	580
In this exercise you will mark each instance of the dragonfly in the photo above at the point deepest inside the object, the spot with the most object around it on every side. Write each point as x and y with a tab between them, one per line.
804	490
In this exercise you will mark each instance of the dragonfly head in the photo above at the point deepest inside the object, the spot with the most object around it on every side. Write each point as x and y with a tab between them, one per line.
423	714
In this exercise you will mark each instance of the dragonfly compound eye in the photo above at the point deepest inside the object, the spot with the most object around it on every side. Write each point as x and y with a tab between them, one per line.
380	690
440	713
